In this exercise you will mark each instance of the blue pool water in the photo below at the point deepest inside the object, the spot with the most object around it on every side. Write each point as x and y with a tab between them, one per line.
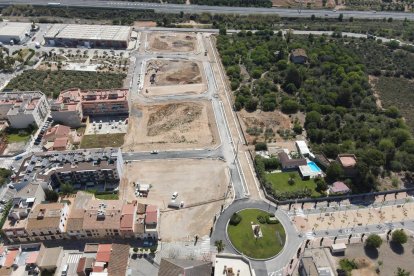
314	167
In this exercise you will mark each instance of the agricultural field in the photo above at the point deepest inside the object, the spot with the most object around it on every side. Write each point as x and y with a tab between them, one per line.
53	82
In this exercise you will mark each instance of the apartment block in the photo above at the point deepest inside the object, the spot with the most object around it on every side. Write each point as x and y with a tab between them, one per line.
47	221
22	109
73	106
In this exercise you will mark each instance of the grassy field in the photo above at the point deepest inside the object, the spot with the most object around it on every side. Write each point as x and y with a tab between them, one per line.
242	237
280	183
102	140
16	138
398	92
108	196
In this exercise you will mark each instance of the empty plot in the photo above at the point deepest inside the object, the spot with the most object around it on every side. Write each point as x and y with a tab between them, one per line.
171	126
167	43
196	181
173	77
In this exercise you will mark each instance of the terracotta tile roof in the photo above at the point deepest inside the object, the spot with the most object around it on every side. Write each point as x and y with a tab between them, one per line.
288	162
81	265
347	160
104	251
118	262
10	258
127	217
45	216
60	142
151	214
175	267
299	52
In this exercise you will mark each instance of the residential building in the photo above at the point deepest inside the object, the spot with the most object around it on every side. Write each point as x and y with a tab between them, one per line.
85	266
22	109
298	56
15	226
55	132
232	264
339	187
151	221
175	267
348	163
47	221
49	258
288	163
303	148
102	218
72	106
315	262
139	227
84	169
128	215
74	227
90	36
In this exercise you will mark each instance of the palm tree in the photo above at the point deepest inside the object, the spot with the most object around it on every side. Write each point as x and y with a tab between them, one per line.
220	245
402	272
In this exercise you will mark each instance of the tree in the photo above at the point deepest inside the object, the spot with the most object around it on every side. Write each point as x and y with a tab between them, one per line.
222	31
260	146
340	17
235	219
66	188
292	177
321	185
51	196
374	241
399	236
334	172
293	76
402	272
312	17
220	245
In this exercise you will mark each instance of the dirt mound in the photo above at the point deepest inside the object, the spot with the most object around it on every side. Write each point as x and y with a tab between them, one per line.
173	117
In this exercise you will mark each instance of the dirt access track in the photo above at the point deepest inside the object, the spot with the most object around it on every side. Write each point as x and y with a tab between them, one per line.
173	77
180	125
198	182
172	42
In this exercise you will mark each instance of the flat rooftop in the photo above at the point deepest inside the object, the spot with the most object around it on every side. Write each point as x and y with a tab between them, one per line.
14	28
232	263
89	32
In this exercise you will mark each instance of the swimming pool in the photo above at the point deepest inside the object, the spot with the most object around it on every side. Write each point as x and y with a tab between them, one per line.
314	167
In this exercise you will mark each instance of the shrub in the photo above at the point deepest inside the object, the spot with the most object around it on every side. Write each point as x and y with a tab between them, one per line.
135	249
399	236
261	219
347	264
373	241
235	219
270	220
260	146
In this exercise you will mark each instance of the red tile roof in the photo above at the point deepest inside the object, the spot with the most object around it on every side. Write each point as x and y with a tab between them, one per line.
60	142
11	256
151	214
127	217
104	252
31	259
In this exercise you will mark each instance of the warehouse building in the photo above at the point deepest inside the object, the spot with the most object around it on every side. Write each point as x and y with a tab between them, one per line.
14	31
90	36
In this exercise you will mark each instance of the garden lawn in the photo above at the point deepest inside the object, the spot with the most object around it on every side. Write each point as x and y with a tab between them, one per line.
107	196
280	183
17	138
242	238
102	140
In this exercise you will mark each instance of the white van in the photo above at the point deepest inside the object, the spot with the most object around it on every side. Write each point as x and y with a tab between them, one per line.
65	270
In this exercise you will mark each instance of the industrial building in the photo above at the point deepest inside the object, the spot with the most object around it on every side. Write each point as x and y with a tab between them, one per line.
22	109
14	31
89	36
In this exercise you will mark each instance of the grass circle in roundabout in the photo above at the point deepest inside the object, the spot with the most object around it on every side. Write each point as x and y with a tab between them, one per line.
258	234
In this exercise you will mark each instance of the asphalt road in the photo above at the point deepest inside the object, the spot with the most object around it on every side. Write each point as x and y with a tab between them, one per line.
176	8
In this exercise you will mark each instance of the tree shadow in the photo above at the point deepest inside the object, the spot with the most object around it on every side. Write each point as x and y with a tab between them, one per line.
397	248
371	252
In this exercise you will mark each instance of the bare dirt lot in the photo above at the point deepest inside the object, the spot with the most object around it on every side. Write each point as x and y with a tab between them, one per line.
387	258
170	43
173	77
258	121
196	181
171	126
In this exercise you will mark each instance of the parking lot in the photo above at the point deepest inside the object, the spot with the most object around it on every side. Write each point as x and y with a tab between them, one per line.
107	125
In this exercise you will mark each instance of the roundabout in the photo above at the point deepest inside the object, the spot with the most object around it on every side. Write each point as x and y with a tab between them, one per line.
256	234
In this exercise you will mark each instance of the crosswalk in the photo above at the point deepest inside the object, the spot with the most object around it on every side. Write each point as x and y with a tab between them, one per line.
309	235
